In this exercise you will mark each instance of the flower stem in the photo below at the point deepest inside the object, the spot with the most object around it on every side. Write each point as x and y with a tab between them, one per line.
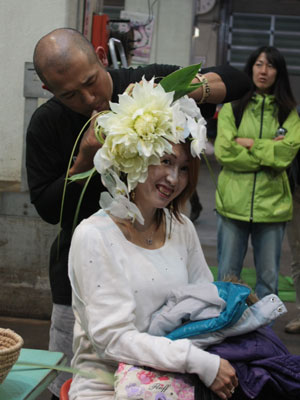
66	180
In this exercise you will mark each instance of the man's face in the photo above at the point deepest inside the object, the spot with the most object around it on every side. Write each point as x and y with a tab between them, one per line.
83	87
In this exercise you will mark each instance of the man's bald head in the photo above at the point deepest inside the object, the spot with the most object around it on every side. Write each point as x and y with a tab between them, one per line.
58	49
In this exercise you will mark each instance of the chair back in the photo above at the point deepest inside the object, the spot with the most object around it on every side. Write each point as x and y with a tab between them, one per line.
64	390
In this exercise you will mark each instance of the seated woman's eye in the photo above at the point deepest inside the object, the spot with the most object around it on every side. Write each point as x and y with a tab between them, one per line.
185	168
165	161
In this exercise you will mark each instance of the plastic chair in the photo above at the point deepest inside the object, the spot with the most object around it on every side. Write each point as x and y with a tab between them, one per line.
64	390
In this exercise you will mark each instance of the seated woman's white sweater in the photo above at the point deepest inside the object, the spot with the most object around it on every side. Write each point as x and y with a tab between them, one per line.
117	286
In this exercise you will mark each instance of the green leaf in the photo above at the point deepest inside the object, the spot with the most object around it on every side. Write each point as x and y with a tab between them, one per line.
66	181
99	374
82	175
92	172
180	80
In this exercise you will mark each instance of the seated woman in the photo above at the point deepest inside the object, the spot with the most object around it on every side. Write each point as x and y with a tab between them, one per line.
126	258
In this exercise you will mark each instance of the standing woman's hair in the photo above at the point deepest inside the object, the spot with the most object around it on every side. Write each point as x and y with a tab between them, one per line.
281	88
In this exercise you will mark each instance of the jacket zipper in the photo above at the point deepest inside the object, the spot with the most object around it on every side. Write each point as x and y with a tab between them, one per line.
255	173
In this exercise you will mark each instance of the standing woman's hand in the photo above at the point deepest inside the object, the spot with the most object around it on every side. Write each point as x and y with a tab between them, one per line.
278	138
245	142
226	380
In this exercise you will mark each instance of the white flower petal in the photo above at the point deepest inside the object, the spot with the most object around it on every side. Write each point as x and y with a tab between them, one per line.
120	207
189	107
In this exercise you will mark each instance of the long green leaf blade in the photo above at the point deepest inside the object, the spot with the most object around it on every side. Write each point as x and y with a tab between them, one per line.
92	172
101	375
180	81
82	175
66	180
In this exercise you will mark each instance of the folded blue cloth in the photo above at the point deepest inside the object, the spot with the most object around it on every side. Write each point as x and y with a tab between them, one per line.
235	296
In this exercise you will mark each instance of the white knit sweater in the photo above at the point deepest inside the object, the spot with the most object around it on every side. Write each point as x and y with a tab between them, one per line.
117	286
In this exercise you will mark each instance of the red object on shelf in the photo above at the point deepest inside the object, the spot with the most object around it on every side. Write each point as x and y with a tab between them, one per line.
100	31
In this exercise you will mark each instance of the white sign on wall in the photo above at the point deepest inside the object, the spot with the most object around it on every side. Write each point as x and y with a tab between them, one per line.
143	31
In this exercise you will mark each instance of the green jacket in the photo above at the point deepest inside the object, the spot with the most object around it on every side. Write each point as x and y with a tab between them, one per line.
253	184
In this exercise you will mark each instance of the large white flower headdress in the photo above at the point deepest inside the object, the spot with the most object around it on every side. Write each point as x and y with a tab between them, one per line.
148	119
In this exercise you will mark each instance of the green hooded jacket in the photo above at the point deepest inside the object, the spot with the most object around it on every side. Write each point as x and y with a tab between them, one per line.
253	183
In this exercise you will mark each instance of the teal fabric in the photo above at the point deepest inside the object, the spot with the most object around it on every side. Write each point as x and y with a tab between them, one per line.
286	288
234	295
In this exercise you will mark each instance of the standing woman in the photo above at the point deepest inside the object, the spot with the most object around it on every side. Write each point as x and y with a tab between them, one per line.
257	139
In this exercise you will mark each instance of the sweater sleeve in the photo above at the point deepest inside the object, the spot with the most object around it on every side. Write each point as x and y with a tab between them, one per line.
108	305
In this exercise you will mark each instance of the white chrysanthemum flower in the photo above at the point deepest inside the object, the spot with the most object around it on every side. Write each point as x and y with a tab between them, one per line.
139	128
198	132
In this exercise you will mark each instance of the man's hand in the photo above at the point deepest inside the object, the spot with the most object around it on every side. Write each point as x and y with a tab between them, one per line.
87	150
226	380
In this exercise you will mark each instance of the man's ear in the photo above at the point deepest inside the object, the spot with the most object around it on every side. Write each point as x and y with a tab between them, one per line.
46	88
102	56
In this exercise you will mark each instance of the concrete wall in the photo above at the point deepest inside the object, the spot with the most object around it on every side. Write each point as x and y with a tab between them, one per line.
24	237
22	24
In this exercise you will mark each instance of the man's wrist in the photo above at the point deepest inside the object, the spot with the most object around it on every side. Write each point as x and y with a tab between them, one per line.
205	88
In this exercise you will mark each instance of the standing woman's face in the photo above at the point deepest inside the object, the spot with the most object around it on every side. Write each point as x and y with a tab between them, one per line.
263	74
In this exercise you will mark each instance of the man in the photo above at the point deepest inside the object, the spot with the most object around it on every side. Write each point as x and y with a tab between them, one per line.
75	73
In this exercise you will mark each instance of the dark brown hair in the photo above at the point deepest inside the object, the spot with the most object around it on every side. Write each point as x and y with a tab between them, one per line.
281	88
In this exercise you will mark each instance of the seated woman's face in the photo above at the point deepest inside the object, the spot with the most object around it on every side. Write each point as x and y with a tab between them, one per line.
165	181
263	74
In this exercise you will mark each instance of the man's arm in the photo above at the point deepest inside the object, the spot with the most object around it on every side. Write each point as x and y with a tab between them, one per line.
225	84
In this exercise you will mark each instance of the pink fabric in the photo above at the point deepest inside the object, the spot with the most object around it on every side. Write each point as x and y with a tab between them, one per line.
135	383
